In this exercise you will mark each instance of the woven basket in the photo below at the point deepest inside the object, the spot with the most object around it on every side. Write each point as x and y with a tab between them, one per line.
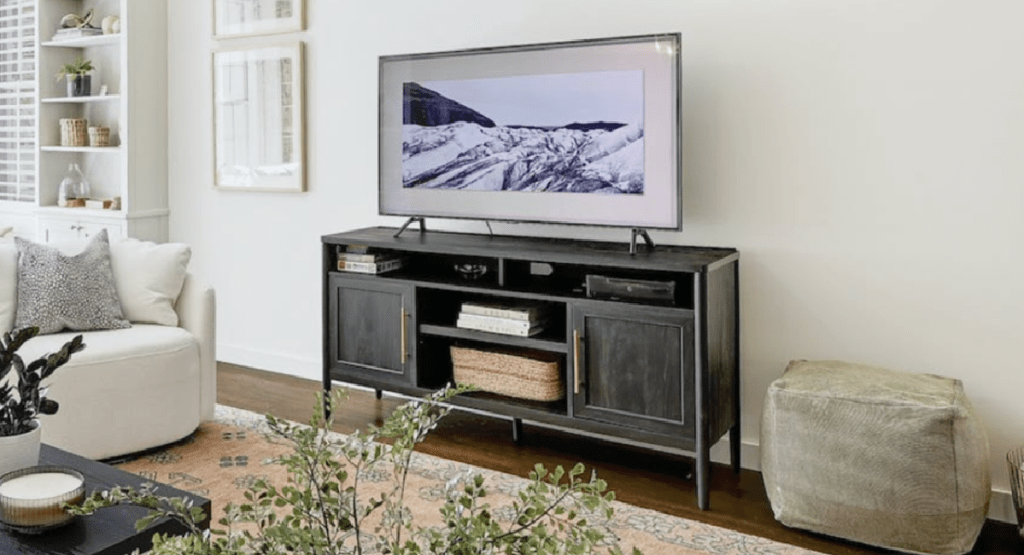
535	375
99	136
72	132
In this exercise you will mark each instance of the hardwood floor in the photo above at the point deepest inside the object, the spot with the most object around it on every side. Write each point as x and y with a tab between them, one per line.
639	476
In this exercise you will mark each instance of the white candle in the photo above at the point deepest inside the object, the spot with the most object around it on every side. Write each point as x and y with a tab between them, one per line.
39	486
35	500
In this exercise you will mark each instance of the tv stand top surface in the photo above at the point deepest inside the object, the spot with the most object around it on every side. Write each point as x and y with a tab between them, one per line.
540	249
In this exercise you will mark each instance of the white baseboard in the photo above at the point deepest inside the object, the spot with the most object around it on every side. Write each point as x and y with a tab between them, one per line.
310	369
1000	507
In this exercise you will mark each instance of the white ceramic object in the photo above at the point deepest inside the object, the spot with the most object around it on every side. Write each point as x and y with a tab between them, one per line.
20	451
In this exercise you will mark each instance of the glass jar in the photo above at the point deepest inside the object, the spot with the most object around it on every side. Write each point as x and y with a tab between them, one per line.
73	188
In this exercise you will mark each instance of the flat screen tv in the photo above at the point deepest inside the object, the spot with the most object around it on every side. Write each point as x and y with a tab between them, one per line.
583	132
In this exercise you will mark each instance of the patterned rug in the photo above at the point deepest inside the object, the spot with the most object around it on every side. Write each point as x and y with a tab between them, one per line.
228	454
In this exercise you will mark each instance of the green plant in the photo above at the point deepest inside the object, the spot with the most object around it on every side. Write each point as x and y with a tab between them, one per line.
320	510
80	66
22	401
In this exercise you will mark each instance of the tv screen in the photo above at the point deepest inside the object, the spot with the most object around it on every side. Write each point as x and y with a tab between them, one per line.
584	132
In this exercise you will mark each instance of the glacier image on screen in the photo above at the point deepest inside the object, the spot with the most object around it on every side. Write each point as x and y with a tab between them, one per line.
576	133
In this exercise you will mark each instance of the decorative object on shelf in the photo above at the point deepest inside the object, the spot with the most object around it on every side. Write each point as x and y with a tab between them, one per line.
23	397
32	499
257	17
267	109
75	26
111	25
115	203
1015	462
72	131
471	271
74	188
77	74
535	375
99	136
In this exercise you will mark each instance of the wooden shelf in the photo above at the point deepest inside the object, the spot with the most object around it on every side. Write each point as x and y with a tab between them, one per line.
496	338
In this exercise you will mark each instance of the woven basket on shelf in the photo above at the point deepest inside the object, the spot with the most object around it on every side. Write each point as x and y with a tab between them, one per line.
99	136
535	376
72	132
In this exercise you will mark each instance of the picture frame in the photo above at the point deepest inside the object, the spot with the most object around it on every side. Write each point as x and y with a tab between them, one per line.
514	133
240	18
259	119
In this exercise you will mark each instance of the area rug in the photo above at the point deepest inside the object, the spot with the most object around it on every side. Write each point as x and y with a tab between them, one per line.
234	450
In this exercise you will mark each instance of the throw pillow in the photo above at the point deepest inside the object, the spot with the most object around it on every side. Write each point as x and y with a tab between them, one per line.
8	286
149	278
57	291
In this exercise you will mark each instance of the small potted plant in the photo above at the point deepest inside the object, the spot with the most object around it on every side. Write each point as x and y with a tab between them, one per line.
23	397
77	74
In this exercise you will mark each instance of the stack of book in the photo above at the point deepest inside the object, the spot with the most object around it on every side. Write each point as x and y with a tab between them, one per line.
77	32
367	262
522	320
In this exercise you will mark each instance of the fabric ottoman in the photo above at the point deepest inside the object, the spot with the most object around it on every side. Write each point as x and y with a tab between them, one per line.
880	457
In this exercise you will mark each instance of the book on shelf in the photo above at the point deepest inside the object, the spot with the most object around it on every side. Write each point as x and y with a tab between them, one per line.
371	267
524	311
506	326
74	33
367	257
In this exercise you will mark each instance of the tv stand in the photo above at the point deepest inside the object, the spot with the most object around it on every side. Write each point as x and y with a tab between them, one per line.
647	239
660	369
422	221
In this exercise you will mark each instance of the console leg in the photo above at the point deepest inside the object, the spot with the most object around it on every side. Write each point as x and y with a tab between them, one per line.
517	430
422	222
734	448
378	393
703	481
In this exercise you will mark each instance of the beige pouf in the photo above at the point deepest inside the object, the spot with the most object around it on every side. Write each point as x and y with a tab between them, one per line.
880	457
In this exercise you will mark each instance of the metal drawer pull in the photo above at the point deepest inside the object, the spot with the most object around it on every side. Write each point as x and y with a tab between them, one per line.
405	352
576	361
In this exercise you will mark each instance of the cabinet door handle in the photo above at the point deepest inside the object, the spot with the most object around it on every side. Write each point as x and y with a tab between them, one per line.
405	352
576	361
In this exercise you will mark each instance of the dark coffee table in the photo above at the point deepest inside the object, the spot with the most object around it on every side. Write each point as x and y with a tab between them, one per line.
108	531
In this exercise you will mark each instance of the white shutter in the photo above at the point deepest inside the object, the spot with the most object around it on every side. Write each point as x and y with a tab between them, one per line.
18	103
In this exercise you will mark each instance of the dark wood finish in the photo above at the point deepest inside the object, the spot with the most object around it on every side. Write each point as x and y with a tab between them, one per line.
664	374
365	327
109	531
647	478
636	367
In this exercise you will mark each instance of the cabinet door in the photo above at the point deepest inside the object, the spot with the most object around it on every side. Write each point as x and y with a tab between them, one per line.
634	366
369	331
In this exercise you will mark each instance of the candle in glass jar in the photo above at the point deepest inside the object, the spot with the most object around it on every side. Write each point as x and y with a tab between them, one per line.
35	499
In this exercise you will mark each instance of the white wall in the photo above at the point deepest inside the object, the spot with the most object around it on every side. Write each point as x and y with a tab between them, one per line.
865	157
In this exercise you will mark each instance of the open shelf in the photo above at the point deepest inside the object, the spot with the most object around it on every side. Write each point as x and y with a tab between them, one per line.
81	99
84	42
494	338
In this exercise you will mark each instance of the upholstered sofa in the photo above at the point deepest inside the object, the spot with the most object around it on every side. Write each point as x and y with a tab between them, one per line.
134	387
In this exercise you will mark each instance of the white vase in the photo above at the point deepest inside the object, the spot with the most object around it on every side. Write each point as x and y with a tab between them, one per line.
20	451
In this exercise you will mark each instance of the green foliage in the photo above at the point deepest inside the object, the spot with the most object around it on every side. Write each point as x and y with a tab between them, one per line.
320	510
80	66
23	399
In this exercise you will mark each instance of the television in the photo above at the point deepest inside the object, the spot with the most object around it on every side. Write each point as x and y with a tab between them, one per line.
585	132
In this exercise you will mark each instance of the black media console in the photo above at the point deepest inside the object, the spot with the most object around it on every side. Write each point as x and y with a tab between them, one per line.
660	366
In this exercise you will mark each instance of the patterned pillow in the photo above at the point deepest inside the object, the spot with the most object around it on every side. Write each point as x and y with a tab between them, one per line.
57	292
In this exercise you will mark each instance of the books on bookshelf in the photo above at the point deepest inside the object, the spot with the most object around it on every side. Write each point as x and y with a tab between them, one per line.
375	266
76	32
367	261
524	321
525	311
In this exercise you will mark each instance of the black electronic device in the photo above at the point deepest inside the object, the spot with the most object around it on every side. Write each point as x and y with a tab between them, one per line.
641	290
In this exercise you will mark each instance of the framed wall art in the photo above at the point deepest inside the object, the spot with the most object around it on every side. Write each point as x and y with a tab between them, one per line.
259	142
237	18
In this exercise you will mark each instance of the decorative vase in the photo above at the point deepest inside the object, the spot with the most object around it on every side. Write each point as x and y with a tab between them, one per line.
20	451
79	84
74	188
